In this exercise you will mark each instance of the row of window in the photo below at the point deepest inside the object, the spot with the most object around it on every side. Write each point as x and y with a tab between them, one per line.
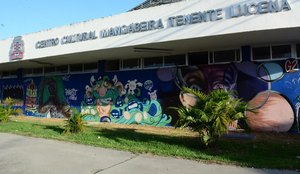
261	53
195	58
275	52
51	70
5	74
62	69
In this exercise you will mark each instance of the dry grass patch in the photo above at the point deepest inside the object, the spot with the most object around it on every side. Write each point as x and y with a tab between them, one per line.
170	131
39	120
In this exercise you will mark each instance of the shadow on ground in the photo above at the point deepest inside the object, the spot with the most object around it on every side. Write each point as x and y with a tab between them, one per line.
128	134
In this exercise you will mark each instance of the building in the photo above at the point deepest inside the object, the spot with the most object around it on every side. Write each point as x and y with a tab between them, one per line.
129	67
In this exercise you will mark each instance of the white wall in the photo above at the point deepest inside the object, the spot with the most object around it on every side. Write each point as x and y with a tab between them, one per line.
284	19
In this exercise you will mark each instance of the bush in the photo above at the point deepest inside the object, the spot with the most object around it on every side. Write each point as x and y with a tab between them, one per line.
75	123
6	110
212	113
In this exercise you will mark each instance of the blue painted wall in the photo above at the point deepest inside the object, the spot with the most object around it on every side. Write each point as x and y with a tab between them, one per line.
142	96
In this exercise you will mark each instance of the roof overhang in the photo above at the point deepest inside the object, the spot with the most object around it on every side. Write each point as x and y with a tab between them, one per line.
236	40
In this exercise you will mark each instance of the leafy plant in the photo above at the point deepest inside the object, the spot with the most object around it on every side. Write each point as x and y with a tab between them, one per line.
6	110
75	123
211	114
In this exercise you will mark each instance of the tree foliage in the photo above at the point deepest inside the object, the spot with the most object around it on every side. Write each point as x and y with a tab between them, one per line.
6	110
75	123
212	113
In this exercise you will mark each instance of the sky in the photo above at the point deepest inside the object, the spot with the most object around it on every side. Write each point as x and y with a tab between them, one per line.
20	17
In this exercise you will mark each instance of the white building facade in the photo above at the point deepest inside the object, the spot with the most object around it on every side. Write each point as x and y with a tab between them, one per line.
129	67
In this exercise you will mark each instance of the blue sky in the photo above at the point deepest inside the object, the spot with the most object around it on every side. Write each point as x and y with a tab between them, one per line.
19	17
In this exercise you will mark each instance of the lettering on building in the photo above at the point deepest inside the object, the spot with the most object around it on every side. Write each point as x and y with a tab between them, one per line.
197	17
47	43
242	9
79	37
259	8
132	28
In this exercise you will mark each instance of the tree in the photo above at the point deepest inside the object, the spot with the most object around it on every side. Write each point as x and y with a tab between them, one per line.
75	123
6	110
212	113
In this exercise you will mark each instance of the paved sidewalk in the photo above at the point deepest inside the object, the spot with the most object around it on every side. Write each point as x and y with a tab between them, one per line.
26	155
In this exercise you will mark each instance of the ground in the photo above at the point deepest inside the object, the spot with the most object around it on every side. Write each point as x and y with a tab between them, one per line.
274	136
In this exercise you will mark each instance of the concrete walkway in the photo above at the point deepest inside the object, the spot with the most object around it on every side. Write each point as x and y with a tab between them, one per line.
26	155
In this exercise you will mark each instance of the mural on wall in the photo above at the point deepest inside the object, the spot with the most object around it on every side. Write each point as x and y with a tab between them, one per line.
289	87
274	109
31	97
291	65
13	91
131	98
207	78
52	101
71	94
108	100
273	114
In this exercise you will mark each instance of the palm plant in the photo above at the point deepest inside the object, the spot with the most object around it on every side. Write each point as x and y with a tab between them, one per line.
211	114
6	110
75	123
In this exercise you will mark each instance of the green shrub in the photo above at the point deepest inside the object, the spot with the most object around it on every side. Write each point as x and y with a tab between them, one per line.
6	110
17	112
211	114
75	123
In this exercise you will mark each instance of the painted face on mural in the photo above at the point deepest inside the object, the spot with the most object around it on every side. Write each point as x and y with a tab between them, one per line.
207	78
52	101
102	89
52	87
88	91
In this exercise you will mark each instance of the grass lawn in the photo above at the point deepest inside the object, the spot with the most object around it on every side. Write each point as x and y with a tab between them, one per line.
281	151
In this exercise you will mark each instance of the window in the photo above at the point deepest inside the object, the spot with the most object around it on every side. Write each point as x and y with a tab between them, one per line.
261	53
298	50
112	65
131	64
13	73
74	68
33	72
271	52
90	67
63	69
50	70
172	60
198	58
37	71
9	74
152	62
225	56
5	73
27	72
281	51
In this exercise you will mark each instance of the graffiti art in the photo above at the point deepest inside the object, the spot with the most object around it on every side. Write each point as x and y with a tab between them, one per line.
31	98
110	101
52	101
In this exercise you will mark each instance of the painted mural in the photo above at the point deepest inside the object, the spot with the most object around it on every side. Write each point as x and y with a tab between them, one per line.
31	97
52	101
270	88
207	78
142	96
276	114
109	100
13	91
